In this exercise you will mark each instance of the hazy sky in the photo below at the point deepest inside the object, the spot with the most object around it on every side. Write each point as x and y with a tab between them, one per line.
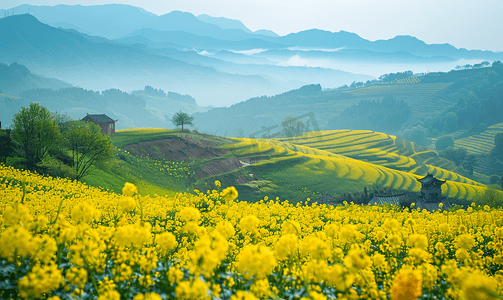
462	23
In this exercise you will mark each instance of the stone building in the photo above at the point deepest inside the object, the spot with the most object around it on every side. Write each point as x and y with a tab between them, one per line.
431	189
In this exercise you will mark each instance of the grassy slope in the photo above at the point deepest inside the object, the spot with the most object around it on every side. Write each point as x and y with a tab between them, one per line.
297	172
152	176
286	169
385	150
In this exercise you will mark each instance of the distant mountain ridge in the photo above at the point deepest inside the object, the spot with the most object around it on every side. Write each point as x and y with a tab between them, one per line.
84	62
16	78
118	20
97	63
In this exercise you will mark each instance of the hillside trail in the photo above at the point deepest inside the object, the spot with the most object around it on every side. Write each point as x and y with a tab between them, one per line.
214	159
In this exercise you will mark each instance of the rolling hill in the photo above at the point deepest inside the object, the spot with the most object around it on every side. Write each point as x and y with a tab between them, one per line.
427	94
293	169
84	62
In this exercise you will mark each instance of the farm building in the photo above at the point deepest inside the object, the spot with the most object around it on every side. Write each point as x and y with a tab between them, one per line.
431	189
387	199
419	203
106	123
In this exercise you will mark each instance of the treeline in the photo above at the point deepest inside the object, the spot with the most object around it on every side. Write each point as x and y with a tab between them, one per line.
383	115
482	107
53	144
151	91
474	66
396	76
75	97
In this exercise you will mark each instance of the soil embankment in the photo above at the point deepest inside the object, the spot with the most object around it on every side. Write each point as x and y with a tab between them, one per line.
175	149
179	149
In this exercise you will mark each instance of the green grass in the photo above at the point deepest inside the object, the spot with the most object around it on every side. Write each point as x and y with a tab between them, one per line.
330	162
301	171
154	176
138	135
134	136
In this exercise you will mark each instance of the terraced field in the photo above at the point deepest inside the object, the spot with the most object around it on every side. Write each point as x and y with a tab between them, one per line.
364	157
458	84
418	89
382	149
481	143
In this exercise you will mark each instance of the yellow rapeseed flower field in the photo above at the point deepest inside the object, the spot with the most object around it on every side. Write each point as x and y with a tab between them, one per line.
61	239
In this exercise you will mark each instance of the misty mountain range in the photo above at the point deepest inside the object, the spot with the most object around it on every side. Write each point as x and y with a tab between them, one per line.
218	61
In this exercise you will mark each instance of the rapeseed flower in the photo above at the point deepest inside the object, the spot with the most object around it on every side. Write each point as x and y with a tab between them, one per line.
407	285
129	189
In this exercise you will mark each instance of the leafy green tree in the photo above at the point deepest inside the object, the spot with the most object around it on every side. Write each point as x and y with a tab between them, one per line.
497	151
181	118
494	179
470	162
88	146
457	155
490	197
35	132
5	145
292	126
450	121
416	134
444	143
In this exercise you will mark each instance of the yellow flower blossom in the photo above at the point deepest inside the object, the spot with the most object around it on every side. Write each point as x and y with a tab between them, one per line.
129	189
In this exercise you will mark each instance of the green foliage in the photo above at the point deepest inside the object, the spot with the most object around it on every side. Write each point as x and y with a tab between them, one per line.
444	143
491	197
35	132
396	76
416	134
470	162
292	126
450	121
5	145
54	167
388	114
88	146
181	118
494	179
457	155
497	151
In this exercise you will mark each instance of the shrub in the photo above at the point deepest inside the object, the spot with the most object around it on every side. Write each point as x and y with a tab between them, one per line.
444	142
55	168
491	197
494	179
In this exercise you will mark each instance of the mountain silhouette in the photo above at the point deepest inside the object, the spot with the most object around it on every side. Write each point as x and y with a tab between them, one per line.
81	61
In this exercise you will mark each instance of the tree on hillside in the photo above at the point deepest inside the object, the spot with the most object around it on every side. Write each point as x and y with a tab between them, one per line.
292	126
497	151
450	121
34	132
470	162
181	118
88	146
416	134
5	145
457	155
444	143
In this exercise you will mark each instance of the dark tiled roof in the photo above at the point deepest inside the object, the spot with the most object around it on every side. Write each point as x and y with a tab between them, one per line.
387	199
433	205
429	179
98	118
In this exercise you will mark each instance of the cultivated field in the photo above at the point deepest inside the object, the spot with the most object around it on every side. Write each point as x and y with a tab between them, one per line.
65	240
